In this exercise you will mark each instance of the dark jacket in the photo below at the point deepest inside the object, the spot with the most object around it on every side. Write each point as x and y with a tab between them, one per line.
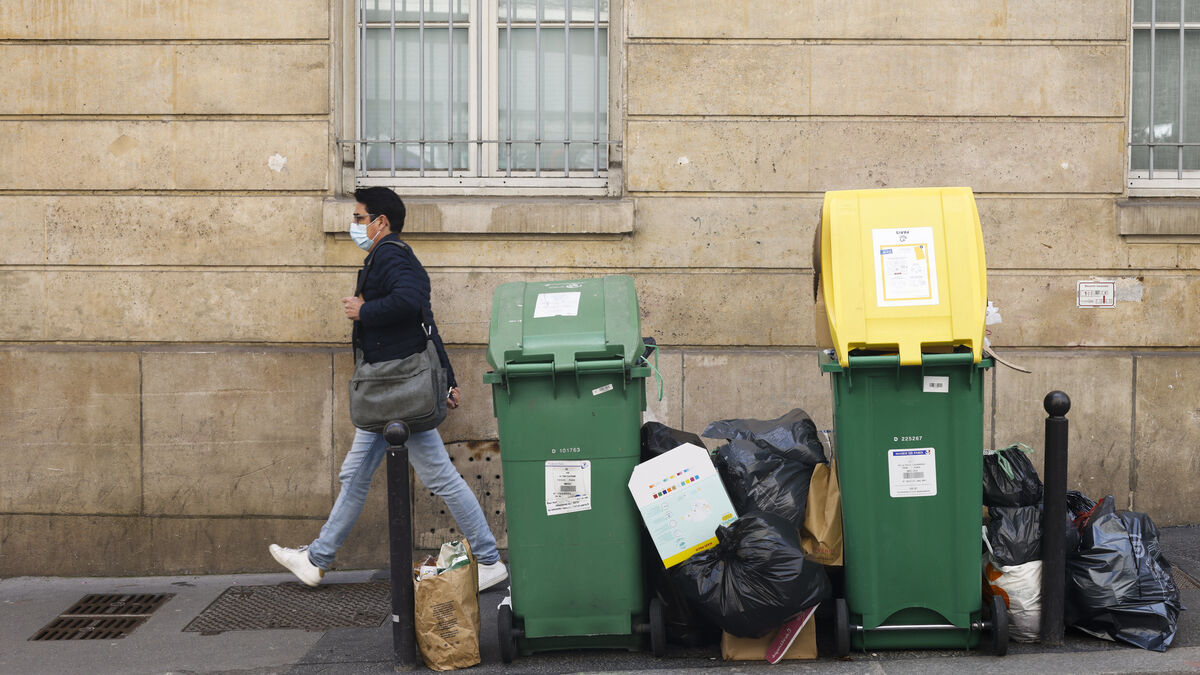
395	292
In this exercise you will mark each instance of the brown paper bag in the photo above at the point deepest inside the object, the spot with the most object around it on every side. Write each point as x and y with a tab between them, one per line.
821	536
447	617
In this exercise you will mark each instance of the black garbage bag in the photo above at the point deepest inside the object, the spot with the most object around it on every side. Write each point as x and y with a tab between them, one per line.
1078	505
767	464
793	434
1009	478
755	579
1119	585
761	479
1015	533
685	624
658	438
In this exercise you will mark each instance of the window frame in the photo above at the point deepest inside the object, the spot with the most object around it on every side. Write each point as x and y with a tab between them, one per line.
1153	182
482	92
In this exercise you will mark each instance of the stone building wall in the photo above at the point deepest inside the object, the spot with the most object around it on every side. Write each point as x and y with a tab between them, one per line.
173	355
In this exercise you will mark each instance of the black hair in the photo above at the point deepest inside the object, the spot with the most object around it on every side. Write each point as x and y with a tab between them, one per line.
383	201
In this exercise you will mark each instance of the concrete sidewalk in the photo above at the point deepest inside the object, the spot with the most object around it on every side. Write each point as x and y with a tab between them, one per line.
160	645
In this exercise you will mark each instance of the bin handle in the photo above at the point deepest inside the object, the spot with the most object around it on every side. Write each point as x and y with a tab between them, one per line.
893	361
616	365
889	360
528	369
535	369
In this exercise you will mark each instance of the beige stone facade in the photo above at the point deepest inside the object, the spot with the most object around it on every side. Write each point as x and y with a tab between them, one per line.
173	355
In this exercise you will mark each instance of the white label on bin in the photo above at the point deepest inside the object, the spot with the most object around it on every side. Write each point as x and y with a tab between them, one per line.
556	304
936	384
912	472
568	487
602	390
905	267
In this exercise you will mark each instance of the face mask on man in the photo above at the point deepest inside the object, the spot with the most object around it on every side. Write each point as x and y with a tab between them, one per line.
358	232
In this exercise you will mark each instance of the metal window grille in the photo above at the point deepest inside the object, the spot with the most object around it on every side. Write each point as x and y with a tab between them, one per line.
1165	95
482	93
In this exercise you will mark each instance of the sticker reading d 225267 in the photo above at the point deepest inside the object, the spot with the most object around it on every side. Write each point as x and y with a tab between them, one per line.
912	472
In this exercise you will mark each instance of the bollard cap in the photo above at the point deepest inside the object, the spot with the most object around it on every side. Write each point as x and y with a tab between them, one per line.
396	433
1057	403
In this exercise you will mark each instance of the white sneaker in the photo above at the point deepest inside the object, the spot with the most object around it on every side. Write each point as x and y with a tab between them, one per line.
490	575
297	562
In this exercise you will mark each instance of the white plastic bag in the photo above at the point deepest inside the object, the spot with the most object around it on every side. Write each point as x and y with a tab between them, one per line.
1021	588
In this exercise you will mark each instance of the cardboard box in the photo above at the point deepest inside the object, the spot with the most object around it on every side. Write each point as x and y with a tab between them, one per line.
749	649
682	501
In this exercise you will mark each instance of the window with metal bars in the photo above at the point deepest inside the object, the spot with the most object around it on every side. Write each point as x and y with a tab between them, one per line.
483	93
1164	125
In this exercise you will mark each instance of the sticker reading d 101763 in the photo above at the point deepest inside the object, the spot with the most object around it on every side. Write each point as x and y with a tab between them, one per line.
912	472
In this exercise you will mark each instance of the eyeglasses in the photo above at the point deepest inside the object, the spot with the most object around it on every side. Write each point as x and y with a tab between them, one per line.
358	217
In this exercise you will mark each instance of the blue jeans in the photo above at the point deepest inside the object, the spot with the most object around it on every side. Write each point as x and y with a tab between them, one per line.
432	464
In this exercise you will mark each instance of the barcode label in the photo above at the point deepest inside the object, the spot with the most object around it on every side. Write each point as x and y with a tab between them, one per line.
936	384
910	475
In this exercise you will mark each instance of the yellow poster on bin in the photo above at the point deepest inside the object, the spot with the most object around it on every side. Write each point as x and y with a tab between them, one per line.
903	271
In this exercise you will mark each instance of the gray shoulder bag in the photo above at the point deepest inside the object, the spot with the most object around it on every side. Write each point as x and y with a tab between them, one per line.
411	390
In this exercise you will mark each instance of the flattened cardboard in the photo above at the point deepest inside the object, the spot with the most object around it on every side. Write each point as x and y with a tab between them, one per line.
682	502
735	648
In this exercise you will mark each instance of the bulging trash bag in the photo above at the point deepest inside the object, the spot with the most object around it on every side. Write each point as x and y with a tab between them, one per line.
1119	585
658	438
767	464
1009	478
755	579
686	625
793	434
1015	533
760	479
1020	586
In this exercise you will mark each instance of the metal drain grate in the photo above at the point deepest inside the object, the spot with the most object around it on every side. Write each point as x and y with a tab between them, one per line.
1183	580
293	605
103	616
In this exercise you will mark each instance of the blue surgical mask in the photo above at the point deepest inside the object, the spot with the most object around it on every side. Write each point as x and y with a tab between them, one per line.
358	232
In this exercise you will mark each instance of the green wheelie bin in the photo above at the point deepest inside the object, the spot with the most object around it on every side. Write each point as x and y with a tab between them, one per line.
905	289
911	469
568	391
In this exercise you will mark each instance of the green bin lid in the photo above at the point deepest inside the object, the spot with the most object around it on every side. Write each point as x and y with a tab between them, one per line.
564	323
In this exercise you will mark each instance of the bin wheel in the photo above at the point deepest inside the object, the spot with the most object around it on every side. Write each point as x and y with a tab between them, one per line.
504	627
658	628
842	628
999	626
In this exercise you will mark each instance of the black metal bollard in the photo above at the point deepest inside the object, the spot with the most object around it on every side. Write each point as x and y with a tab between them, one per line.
1054	518
404	654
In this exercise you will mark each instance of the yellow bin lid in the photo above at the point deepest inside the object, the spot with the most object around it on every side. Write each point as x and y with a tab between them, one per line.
903	271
